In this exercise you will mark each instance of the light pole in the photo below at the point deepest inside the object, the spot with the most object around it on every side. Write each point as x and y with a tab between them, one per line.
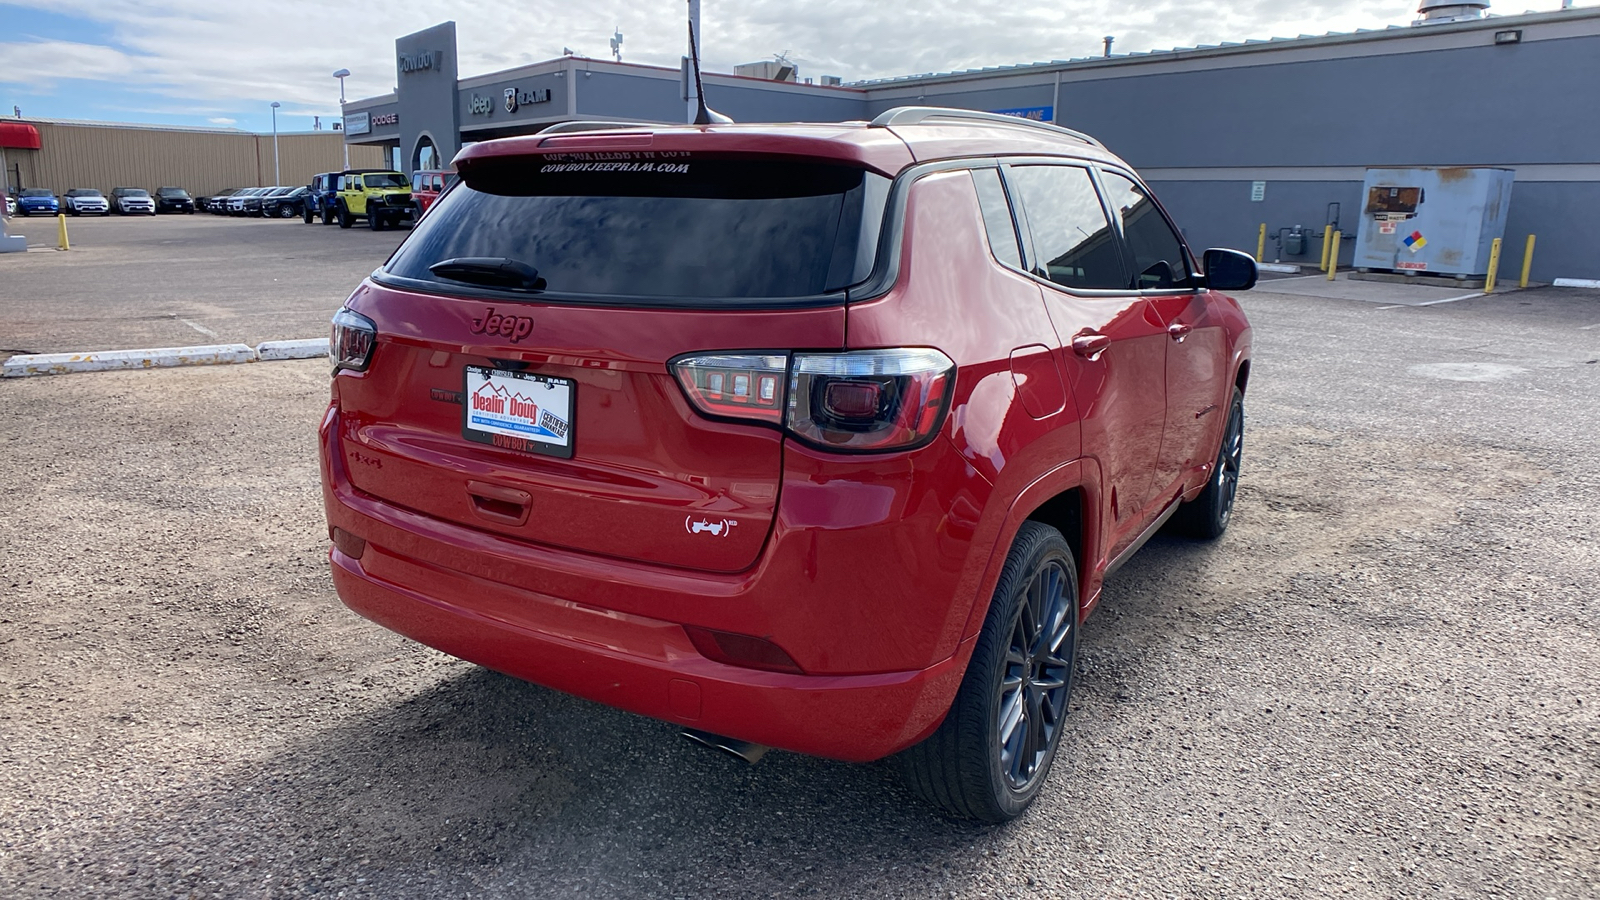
342	74
277	171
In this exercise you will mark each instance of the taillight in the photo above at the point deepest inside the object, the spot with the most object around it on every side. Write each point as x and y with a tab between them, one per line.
736	386
861	401
350	345
869	399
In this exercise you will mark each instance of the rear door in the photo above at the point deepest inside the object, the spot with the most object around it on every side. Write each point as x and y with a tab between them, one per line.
1113	343
568	289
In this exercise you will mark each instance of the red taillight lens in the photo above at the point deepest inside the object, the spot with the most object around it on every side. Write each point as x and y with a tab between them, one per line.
737	386
865	400
350	345
869	400
741	650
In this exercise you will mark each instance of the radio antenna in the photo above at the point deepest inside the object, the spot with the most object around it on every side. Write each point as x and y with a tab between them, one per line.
704	115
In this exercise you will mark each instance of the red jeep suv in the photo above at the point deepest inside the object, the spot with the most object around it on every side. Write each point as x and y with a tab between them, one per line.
820	437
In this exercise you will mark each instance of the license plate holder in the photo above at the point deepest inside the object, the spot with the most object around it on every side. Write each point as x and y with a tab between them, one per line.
519	411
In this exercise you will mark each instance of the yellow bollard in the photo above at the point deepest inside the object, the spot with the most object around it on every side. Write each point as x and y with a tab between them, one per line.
1261	244
1494	267
1326	245
61	221
1333	255
1527	262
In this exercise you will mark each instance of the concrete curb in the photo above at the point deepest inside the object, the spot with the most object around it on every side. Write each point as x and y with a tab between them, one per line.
1280	268
310	348
1577	282
26	365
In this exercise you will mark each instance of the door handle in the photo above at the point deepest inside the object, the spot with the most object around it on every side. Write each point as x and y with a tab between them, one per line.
1179	330
508	506
1090	345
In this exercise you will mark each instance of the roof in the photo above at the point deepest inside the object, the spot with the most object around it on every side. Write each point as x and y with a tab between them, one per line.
888	145
1228	48
139	126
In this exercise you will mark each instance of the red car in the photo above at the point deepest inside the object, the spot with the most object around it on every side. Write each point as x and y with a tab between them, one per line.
427	185
818	437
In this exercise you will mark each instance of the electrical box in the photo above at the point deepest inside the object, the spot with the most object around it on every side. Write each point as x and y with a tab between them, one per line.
1439	221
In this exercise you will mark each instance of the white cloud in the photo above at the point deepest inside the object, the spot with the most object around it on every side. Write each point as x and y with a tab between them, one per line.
233	57
222	120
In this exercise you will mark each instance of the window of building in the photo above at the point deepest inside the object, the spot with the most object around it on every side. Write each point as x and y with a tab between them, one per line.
427	156
1073	243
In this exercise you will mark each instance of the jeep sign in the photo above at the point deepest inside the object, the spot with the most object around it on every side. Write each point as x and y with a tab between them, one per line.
480	105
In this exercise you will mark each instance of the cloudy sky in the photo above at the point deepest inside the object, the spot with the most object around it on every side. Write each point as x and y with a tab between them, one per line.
223	61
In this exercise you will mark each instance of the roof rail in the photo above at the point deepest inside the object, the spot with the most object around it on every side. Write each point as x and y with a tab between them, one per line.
918	115
569	127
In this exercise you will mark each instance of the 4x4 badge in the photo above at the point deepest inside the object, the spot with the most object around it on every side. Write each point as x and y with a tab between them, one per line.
514	327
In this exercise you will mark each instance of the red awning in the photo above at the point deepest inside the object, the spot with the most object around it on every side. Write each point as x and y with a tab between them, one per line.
18	136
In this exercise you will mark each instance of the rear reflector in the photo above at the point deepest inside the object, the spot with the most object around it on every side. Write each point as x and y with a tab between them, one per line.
348	544
741	650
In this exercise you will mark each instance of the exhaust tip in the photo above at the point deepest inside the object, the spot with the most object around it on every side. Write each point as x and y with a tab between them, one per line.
744	750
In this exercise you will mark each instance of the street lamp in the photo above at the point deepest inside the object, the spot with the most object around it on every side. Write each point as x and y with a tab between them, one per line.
342	74
277	172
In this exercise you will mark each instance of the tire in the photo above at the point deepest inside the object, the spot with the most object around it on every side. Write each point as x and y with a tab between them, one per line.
305	215
992	754
374	220
345	219
1206	517
286	211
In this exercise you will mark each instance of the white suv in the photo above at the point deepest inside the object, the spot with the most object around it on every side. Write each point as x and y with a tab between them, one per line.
79	201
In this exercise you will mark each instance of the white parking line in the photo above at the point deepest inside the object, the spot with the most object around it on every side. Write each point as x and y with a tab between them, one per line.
200	328
1435	302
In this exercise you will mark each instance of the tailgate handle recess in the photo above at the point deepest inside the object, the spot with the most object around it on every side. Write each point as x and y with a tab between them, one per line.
506	506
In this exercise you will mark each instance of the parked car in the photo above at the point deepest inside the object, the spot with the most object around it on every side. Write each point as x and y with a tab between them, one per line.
382	198
283	203
829	447
85	201
247	201
126	201
322	194
427	185
216	203
11	206
174	199
37	200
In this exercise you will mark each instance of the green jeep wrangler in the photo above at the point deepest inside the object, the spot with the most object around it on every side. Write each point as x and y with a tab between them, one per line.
382	198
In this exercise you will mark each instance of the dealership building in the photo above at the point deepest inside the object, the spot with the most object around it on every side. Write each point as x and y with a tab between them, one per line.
1277	132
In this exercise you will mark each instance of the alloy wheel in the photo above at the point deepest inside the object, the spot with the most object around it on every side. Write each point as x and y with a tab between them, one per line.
1228	465
1034	685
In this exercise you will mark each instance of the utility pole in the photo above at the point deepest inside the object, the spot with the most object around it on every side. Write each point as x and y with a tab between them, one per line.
342	74
277	170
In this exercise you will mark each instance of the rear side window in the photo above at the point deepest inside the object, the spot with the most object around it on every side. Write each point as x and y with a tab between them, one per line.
695	232
1158	255
997	217
1073	243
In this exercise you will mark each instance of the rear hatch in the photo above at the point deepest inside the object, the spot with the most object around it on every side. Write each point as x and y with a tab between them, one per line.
522	384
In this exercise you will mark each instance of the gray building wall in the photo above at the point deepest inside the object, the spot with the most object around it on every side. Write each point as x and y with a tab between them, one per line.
1306	116
1310	117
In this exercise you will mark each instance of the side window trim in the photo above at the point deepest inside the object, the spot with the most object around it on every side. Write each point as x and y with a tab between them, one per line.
1030	253
1127	251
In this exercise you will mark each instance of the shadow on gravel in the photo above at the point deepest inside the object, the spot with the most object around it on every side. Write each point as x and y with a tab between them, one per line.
488	786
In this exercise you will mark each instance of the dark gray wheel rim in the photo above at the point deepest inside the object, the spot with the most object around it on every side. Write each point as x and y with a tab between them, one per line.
1038	671
1228	464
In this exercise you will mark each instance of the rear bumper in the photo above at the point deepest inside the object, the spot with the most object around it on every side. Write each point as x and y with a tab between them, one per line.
612	631
646	666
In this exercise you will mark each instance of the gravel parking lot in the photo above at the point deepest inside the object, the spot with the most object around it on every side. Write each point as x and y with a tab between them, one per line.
1380	683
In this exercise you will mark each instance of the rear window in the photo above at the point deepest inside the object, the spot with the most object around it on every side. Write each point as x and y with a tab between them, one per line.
690	232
